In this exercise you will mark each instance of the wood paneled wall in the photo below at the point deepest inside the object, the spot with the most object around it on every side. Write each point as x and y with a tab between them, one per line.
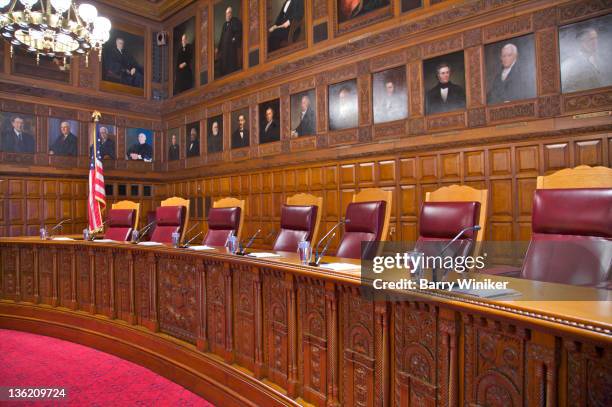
507	170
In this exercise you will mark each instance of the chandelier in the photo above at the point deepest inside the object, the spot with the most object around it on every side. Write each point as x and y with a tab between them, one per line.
54	28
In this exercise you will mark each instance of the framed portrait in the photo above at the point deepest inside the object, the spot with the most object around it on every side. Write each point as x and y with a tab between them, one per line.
304	114
17	133
269	121
183	55
285	26
409	5
351	15
63	137
174	144
240	128
444	83
343	105
139	144
390	95
48	68
214	135
585	51
108	141
228	29
123	60
192	130
510	69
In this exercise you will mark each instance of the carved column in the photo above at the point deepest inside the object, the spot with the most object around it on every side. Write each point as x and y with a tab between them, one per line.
259	334
54	285
331	311
229	331
292	368
202	339
92	280
36	287
132	319
381	354
73	280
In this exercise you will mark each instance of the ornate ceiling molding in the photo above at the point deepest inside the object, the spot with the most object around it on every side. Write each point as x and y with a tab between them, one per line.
157	10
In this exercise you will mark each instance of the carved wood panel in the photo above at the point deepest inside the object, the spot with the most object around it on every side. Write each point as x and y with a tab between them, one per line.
102	280
276	327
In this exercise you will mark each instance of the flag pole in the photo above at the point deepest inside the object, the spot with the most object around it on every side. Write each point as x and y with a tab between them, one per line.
95	116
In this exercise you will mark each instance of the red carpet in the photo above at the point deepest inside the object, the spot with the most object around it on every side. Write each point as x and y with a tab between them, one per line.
91	377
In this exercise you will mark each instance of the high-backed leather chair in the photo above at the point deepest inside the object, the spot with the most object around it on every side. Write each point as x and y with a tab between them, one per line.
367	219
129	205
169	219
300	219
571	240
120	224
224	218
440	222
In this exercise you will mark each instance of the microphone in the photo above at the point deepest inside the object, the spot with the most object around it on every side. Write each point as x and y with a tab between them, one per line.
191	240
140	233
317	255
269	235
320	255
242	252
190	229
58	226
461	233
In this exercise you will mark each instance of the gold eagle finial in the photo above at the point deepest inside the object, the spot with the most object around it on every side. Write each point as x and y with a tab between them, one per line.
96	116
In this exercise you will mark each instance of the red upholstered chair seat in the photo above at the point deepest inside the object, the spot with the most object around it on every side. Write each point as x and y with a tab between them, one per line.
572	237
221	223
440	222
364	223
120	224
297	224
169	219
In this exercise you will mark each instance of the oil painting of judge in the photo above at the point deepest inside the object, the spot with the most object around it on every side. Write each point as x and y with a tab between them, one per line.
343	108
240	128
390	99
228	37
349	9
123	59
183	43
173	144
193	139
139	144
444	79
303	114
585	51
269	121
63	137
214	137
285	23
107	147
510	67
17	133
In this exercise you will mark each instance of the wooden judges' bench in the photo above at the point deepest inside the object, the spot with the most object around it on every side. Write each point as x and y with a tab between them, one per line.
246	331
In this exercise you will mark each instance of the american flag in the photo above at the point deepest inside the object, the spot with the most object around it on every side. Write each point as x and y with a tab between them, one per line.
97	193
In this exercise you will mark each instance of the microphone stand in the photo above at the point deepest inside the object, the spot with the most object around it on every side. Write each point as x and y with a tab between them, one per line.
317	256
475	228
242	251
58	226
144	230
320	256
190	240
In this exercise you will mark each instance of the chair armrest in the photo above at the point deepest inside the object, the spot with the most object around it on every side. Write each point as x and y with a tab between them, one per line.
502	270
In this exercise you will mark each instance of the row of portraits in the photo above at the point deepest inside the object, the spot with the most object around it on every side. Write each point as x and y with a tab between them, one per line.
18	135
585	52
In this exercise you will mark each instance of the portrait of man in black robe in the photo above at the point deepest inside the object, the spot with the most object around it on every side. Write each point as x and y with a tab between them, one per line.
107	142
445	78
229	46
140	150
510	67
16	136
119	63
65	143
287	27
183	74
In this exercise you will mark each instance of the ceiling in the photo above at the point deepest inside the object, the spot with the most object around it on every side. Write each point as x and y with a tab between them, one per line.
157	10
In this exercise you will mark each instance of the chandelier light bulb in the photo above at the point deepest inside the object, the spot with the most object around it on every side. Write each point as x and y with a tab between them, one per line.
4	3
102	24
28	3
61	5
87	12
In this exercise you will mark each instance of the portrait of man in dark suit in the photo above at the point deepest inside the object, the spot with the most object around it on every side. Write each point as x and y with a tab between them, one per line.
107	141
173	148
183	41
193	139
269	121
303	116
140	142
343	109
16	133
214	138
123	59
510	67
287	27
64	141
240	129
228	38
444	95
